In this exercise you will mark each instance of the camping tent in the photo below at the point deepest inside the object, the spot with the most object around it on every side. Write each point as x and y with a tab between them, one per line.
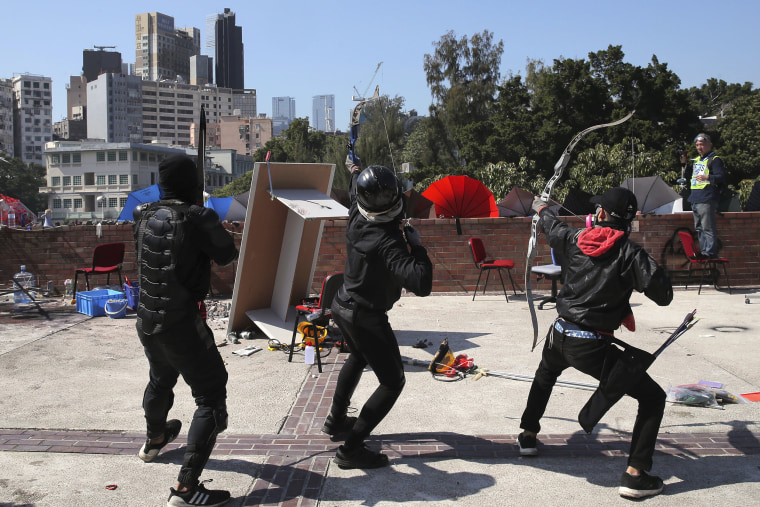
14	213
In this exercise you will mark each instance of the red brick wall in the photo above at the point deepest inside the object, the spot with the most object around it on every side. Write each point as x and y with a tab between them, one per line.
52	254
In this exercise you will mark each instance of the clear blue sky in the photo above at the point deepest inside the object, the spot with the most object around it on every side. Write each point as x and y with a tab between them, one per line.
302	48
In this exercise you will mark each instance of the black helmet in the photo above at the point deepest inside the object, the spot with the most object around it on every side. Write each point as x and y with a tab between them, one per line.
377	189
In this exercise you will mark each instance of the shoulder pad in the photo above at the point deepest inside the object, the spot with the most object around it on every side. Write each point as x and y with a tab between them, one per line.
140	209
205	217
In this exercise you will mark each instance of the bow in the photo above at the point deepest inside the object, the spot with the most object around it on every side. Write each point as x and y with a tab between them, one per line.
559	167
356	115
200	164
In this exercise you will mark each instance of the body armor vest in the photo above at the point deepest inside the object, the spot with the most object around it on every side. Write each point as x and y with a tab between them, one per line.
164	299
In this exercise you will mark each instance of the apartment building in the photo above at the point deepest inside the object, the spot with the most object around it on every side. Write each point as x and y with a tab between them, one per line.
223	166
114	105
241	133
6	118
91	180
161	51
32	116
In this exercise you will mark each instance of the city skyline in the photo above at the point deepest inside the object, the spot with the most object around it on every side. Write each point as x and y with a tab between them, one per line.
301	49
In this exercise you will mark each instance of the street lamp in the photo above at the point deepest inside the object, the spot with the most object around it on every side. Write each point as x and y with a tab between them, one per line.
101	202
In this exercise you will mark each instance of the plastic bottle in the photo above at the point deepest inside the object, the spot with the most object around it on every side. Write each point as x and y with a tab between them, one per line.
308	355
23	279
68	289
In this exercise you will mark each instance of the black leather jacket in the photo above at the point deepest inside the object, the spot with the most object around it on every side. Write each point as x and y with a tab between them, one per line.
175	243
601	267
379	263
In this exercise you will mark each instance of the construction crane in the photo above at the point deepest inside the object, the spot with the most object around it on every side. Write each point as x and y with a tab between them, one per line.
359	97
104	47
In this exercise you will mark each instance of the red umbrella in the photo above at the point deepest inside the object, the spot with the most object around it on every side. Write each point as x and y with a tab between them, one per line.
461	197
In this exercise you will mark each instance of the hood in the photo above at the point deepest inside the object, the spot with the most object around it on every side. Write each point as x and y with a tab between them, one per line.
598	240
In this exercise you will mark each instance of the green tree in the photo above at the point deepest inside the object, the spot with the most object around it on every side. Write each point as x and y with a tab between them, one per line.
22	182
716	97
502	176
381	133
738	141
604	166
463	75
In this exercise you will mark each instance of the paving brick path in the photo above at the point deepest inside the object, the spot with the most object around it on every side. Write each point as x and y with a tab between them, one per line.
296	460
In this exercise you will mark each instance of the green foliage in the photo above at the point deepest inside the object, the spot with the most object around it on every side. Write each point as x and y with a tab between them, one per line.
502	176
716	97
22	181
602	167
235	187
463	75
738	140
381	133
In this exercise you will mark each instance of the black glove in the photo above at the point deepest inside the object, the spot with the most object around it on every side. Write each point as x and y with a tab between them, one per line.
412	236
539	204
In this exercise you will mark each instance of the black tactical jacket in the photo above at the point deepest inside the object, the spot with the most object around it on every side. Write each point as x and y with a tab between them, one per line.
379	263
601	267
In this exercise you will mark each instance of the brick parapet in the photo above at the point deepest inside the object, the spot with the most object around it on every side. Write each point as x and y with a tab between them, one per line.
53	253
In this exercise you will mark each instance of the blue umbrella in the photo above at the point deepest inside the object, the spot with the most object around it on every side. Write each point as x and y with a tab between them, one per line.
150	194
228	208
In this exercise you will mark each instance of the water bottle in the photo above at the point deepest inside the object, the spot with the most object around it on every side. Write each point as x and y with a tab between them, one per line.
68	290
308	355
22	279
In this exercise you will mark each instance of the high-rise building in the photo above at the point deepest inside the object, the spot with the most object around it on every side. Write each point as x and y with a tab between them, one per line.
161	51
201	70
6	118
114	102
32	116
94	63
170	108
228	51
283	112
244	103
323	112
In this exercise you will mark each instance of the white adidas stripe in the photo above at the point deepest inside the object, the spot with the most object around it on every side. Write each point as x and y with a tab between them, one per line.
199	498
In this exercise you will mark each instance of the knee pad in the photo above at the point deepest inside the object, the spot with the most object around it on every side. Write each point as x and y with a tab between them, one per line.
220	418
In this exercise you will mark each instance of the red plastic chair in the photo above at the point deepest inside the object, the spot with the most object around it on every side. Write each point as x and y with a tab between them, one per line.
483	263
317	311
706	265
106	259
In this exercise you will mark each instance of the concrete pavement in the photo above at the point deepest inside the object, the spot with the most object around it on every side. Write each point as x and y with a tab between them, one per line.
72	423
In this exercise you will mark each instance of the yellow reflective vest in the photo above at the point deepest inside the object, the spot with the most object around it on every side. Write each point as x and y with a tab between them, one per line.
701	166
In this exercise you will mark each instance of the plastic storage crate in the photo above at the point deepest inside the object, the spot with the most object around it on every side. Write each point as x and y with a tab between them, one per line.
93	302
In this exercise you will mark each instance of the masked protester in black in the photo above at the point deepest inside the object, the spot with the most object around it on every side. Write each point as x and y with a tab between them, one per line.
176	240
601	268
381	260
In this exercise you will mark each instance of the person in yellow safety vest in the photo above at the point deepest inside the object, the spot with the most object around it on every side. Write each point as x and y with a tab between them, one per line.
707	177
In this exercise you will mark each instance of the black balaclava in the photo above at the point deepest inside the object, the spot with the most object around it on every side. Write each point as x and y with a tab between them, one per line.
178	178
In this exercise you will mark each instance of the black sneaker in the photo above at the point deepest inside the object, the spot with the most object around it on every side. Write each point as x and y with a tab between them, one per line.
198	495
527	445
149	451
640	486
360	458
337	427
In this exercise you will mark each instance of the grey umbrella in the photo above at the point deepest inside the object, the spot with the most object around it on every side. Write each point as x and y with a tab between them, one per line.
651	192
